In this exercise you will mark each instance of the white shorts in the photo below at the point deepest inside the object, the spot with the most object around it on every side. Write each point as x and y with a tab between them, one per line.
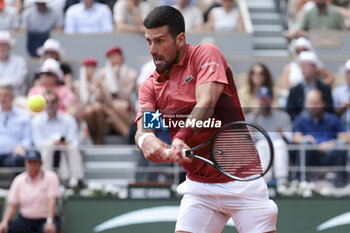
206	208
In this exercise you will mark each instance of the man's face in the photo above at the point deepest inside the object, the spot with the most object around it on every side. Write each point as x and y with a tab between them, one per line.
347	76
309	70
6	97
4	50
265	102
51	103
51	54
162	47
116	59
33	167
314	103
48	80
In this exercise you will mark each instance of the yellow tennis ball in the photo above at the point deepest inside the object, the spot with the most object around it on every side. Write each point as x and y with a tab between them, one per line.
36	103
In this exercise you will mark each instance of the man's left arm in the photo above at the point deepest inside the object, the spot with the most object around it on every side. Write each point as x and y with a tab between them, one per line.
50	226
207	94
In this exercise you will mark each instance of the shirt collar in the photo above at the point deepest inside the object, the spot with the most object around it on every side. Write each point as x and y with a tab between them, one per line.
38	177
183	62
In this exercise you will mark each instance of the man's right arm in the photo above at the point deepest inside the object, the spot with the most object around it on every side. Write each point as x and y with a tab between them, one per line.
152	147
9	214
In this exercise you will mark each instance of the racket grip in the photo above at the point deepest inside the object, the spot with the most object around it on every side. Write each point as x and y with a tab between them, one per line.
183	151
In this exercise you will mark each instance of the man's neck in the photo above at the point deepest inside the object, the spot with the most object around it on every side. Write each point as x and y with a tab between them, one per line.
5	109
88	6
52	116
5	58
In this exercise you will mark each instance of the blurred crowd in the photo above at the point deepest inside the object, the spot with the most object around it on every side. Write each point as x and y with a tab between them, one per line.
301	106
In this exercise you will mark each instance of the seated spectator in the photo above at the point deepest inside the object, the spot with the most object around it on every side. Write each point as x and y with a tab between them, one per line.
52	49
35	192
88	16
318	127
310	66
39	20
324	16
259	75
15	130
292	74
129	15
279	127
9	18
51	129
192	15
90	106
50	78
13	68
227	17
341	99
117	81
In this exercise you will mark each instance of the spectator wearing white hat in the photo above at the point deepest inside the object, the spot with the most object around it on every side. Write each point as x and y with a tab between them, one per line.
9	17
341	98
13	68
50	78
292	74
88	16
309	65
53	49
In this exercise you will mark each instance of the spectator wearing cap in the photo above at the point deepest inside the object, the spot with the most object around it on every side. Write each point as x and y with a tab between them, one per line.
292	74
15	130
315	126
9	18
52	49
341	98
52	129
13	68
88	16
35	192
117	81
309	65
50	78
90	106
129	15
279	127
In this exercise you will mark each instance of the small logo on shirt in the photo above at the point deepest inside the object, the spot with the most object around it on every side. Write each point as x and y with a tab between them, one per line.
188	78
152	120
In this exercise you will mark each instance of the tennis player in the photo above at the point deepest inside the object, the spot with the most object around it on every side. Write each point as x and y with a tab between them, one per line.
196	80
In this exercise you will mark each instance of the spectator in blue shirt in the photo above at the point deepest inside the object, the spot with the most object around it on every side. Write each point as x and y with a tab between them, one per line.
318	127
88	16
15	130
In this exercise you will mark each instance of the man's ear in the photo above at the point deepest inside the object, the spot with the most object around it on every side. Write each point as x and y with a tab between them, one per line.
181	40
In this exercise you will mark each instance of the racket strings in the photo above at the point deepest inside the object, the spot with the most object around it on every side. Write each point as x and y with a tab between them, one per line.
235	152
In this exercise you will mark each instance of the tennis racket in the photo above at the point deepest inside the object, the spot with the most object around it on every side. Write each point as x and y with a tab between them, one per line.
241	150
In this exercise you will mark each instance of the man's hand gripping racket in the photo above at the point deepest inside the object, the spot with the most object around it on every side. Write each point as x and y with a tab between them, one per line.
234	153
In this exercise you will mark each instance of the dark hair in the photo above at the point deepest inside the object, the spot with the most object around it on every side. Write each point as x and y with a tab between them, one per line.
166	15
268	82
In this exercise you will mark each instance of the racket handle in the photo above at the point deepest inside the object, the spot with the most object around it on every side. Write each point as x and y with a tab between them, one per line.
183	151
